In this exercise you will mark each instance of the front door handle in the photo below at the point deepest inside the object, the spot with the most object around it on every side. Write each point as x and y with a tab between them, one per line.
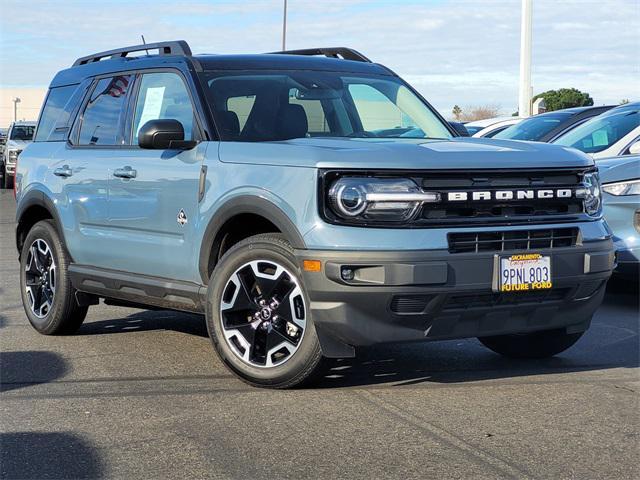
125	172
64	171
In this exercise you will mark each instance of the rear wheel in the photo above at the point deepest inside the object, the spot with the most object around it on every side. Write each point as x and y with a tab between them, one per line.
258	316
47	295
532	345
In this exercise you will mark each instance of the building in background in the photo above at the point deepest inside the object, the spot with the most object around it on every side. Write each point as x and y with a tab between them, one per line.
28	108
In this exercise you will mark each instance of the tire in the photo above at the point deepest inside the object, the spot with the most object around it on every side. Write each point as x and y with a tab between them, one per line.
8	180
43	282
5	179
246	333
531	345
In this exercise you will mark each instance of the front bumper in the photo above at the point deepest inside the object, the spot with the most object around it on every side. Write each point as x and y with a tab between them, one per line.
433	295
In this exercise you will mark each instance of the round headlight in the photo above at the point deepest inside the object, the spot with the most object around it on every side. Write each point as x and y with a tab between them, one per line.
349	199
591	194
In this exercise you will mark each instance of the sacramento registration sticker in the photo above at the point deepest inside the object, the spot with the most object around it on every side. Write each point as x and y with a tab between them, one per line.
524	272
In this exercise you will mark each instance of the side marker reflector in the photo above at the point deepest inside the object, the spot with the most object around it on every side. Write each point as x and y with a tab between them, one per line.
312	265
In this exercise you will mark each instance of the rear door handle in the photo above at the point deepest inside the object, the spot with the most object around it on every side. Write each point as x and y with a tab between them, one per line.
64	171
125	172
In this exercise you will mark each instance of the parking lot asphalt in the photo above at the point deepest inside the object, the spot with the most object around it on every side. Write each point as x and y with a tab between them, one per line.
141	394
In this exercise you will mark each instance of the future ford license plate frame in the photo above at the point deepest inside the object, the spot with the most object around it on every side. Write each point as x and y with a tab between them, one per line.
522	272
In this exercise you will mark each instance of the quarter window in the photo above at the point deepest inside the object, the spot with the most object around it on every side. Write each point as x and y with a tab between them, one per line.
102	115
55	112
163	96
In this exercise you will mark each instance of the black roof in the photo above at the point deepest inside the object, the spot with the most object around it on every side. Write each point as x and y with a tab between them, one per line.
178	54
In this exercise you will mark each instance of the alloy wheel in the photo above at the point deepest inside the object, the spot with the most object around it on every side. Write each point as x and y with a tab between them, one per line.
263	313
40	278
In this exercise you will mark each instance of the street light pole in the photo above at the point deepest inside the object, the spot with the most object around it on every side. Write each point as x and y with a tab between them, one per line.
524	100
16	101
284	27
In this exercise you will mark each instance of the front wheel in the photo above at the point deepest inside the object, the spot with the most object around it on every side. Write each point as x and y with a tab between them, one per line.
531	345
258	314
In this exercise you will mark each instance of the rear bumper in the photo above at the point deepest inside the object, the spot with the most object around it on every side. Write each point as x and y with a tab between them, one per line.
432	295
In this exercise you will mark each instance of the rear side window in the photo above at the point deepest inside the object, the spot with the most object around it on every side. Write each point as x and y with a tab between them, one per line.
103	113
55	113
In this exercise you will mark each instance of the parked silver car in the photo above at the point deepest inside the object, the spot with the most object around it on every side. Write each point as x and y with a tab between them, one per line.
620	178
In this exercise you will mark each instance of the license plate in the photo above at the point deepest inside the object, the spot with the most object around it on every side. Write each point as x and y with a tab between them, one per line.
524	272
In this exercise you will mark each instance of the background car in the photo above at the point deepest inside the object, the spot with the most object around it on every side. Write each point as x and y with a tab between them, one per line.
614	133
20	134
495	128
477	125
546	127
620	179
3	141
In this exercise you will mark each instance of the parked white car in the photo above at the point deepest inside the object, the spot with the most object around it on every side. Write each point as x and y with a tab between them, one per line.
611	134
495	128
20	134
478	125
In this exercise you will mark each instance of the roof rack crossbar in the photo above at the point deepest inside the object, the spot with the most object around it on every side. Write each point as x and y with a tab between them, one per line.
177	47
332	52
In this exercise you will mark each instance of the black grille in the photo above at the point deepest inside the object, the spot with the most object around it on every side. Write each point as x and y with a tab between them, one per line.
474	242
480	197
410	304
495	211
490	300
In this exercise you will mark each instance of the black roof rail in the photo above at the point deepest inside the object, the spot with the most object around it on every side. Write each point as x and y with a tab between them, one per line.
332	52
177	47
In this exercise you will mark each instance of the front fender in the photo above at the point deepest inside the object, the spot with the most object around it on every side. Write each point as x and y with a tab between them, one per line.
257	203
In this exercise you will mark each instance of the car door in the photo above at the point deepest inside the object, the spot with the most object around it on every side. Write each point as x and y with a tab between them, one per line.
153	194
83	169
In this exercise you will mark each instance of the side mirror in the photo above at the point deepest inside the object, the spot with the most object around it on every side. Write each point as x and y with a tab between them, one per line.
164	134
634	149
460	129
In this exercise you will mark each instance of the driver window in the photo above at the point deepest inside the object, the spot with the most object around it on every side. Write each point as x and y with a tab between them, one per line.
163	96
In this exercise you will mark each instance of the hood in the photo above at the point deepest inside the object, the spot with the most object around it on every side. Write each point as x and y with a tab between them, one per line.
456	154
17	144
618	169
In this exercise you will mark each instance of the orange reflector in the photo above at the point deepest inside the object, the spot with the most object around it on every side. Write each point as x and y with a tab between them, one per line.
312	265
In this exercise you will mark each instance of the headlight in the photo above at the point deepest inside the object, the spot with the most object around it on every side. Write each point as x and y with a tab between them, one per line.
361	199
591	194
13	156
630	187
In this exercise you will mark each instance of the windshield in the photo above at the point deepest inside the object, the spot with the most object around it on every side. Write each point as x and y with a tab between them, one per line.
22	132
533	128
280	105
600	133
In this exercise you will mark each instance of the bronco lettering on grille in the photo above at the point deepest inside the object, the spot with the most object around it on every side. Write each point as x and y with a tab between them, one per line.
479	195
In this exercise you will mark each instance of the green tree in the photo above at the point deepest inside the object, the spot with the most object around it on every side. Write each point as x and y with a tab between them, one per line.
457	111
565	98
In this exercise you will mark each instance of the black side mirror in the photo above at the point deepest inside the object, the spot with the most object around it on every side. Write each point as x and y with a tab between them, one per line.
460	129
164	134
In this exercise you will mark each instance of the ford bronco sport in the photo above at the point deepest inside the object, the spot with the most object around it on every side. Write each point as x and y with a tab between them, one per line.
308	202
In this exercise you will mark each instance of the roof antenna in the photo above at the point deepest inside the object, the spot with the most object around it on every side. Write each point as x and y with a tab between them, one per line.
144	43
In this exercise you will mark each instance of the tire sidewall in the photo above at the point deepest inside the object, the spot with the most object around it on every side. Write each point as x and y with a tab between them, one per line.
49	323
307	354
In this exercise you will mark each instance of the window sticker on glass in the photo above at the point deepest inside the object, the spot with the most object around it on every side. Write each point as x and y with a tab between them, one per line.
152	105
600	138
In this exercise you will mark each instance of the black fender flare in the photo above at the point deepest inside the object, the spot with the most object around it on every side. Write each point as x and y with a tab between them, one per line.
239	205
36	198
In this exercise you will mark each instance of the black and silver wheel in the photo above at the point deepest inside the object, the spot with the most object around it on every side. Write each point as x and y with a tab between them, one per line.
40	278
542	344
258	315
47	295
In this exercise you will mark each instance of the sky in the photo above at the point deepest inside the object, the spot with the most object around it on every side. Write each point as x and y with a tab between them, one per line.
454	52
